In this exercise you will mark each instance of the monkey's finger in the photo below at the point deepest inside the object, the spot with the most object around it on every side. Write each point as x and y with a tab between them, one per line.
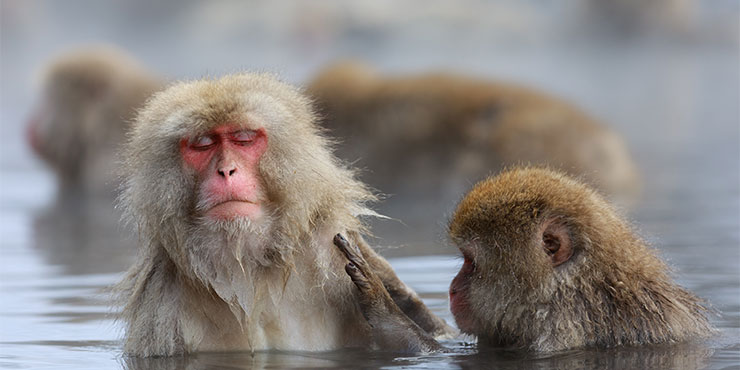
352	254
360	280
343	245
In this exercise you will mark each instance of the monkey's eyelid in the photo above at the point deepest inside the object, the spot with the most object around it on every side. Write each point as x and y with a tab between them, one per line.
466	254
201	142
244	136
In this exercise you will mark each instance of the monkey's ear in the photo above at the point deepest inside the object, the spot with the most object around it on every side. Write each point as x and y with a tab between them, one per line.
556	241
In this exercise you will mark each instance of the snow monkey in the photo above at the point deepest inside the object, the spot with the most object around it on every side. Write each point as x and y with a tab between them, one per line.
406	130
89	96
236	197
548	266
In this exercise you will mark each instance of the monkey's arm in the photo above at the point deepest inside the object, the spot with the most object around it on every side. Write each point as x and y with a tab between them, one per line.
392	329
405	298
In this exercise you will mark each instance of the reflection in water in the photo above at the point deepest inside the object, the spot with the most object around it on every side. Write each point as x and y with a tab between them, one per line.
83	236
461	355
263	360
683	356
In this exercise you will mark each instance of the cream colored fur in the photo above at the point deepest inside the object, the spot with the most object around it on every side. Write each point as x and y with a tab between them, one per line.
238	285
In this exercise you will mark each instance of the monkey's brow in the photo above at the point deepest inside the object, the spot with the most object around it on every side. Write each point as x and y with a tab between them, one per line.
230	133
240	131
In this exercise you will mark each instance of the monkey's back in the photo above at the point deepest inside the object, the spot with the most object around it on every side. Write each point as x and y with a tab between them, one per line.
410	127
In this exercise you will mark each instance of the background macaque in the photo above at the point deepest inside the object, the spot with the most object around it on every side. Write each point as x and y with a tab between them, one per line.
632	18
89	97
456	130
237	198
548	265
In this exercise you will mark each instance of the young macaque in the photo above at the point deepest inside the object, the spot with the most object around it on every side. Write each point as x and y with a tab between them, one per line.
548	266
89	97
237	196
408	130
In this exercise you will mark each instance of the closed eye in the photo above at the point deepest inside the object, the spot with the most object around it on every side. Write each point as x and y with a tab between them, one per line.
243	137
201	142
468	261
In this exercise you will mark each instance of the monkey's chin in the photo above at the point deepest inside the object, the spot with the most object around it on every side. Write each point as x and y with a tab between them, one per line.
465	324
461	312
233	209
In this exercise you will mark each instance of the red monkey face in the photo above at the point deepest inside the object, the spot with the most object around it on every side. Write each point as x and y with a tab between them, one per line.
459	292
226	164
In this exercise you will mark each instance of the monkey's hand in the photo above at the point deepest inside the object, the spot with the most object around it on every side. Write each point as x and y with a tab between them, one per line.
405	298
392	329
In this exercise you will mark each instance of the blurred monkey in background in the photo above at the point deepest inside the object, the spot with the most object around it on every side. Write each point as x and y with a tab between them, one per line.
88	98
439	132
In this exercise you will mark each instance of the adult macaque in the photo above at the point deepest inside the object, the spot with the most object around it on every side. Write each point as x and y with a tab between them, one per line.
627	18
89	97
408	130
236	197
548	265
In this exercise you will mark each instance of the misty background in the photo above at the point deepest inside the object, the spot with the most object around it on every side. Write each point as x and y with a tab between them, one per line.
664	74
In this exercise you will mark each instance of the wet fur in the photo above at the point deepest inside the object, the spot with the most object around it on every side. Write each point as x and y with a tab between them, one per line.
613	291
241	285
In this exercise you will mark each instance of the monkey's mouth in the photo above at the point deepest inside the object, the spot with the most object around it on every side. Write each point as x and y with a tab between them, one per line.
235	208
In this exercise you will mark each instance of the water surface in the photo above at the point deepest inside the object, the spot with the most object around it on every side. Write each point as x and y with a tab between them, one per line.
676	105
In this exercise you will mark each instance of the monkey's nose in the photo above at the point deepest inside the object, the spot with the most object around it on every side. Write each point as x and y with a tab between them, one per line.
226	172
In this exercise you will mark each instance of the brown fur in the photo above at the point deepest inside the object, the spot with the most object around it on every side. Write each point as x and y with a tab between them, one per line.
391	327
612	291
89	97
241	285
406	130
